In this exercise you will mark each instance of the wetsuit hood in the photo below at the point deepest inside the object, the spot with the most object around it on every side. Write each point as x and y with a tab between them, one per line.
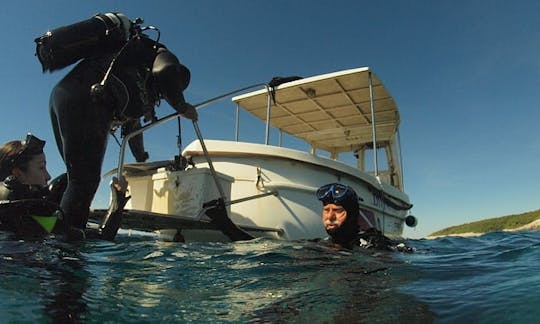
346	197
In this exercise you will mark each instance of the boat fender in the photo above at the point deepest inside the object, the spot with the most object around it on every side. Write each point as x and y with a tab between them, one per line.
101	34
280	80
411	221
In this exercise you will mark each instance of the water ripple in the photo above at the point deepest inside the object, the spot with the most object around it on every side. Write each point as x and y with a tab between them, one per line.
491	278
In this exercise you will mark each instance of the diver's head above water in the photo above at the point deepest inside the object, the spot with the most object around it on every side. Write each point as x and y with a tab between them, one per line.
24	176
24	160
340	211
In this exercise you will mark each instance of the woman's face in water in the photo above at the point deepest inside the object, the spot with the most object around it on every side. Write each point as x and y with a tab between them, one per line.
36	172
333	216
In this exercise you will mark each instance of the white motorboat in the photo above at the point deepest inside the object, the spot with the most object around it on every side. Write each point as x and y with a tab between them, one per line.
269	190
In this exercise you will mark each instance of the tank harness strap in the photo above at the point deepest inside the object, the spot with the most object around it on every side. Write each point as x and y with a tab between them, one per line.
43	212
109	23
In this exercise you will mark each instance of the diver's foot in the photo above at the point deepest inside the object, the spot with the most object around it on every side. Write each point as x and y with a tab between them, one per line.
218	215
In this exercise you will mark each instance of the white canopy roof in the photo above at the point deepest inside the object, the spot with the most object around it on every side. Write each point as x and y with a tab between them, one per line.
330	111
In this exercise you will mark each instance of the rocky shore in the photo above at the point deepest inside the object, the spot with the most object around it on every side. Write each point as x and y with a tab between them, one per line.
528	227
535	225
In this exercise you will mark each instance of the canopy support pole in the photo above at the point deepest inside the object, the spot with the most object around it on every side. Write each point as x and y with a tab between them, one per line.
268	109
237	123
167	118
373	127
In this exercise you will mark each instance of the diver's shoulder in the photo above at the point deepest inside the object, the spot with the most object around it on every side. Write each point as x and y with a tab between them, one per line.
375	239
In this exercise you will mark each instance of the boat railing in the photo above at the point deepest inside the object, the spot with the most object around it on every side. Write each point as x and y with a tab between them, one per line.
170	117
267	128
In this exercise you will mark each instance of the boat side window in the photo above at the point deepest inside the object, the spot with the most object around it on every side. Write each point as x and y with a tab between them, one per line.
385	167
369	164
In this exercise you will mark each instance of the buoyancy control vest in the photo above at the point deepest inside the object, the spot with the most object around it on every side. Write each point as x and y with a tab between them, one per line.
27	210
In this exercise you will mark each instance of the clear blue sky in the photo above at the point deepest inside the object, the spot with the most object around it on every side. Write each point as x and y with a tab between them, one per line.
465	75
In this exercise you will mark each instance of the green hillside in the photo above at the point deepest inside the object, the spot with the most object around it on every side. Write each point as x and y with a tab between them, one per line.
491	224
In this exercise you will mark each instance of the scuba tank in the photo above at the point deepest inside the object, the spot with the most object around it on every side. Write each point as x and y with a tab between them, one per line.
101	34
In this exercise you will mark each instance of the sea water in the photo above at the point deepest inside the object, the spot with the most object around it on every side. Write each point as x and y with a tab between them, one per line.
493	278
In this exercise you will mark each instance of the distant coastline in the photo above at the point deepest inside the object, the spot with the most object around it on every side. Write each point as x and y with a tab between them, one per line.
512	223
528	227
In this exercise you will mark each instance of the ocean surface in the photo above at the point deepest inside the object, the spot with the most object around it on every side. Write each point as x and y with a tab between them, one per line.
493	278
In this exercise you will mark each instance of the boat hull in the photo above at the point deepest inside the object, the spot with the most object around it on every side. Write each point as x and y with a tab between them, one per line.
269	191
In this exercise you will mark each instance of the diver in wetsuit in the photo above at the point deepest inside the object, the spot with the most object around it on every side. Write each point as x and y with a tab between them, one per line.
30	208
24	178
123	75
340	215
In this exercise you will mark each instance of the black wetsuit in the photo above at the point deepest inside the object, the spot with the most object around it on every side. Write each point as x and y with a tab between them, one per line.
143	73
12	189
350	236
19	202
371	238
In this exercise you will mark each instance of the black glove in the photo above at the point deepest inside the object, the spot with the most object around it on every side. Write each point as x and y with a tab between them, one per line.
113	219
